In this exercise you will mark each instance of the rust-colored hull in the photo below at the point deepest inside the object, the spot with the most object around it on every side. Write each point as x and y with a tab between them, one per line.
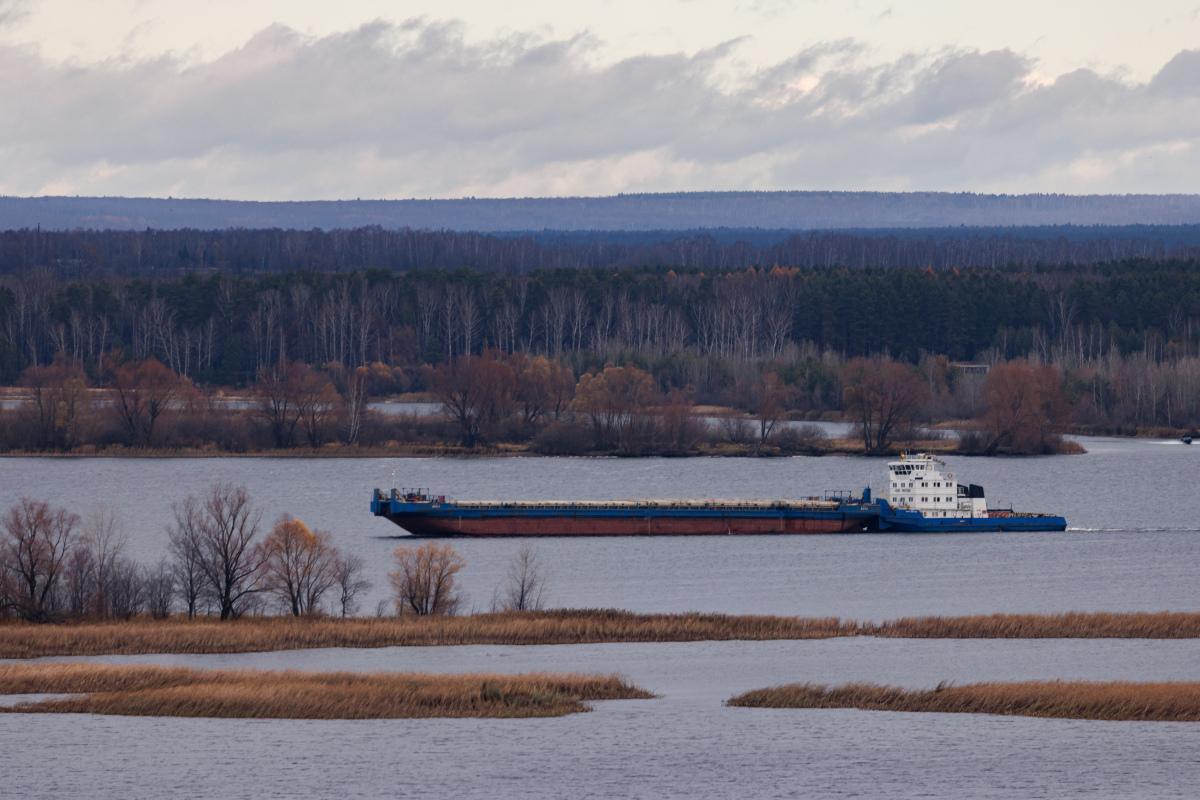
443	525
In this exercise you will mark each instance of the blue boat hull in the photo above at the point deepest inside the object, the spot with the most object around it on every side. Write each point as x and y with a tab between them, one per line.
894	520
429	518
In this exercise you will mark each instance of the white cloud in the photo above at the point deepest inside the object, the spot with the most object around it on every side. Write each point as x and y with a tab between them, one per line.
13	11
418	109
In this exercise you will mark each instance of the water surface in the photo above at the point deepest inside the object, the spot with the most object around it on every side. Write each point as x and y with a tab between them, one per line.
1134	544
1132	506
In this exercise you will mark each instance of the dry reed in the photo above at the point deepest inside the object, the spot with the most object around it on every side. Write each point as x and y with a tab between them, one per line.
1159	702
19	640
177	692
514	628
1072	625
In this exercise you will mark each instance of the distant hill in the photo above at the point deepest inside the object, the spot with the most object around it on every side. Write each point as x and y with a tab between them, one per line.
629	212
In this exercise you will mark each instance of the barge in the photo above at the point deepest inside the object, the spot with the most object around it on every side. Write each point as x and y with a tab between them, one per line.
921	499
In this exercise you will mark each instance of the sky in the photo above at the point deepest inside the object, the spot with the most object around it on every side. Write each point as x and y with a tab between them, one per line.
291	100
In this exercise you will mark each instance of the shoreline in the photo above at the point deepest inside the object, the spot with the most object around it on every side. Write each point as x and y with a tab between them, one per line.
837	447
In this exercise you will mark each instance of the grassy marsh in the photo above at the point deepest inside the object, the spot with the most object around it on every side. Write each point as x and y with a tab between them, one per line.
1114	700
567	626
135	690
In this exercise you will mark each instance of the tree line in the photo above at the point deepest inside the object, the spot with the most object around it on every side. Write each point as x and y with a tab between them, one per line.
81	254
222	329
223	562
494	400
143	363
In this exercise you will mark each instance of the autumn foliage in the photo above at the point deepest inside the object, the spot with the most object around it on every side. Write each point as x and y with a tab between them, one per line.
424	581
883	398
1026	408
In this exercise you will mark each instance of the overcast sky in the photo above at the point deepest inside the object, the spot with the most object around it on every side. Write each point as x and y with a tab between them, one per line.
289	99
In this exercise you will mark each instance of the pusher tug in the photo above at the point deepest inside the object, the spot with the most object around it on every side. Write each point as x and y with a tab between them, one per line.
924	499
921	499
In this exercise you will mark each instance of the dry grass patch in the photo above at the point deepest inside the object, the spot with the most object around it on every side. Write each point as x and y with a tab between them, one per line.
1073	625
176	692
587	626
1158	702
513	628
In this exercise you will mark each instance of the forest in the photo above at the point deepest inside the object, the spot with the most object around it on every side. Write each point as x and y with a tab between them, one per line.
87	254
578	359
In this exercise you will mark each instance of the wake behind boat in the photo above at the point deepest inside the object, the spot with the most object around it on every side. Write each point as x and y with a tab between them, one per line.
922	498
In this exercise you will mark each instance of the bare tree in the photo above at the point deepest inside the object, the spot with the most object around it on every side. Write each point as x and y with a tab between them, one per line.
348	573
770	397
160	590
299	565
883	397
735	429
228	557
1026	408
424	581
105	542
79	582
126	592
59	404
355	397
277	402
38	540
476	393
187	576
317	400
145	391
524	584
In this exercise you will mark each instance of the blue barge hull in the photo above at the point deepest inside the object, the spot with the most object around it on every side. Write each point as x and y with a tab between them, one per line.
423	515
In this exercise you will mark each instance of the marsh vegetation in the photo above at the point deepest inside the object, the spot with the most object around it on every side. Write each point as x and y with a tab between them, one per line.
564	626
133	690
1110	700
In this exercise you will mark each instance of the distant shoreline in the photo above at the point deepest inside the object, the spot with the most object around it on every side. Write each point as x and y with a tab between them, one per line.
833	448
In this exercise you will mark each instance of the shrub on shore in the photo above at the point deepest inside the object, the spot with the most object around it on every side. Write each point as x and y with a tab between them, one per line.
139	690
1114	700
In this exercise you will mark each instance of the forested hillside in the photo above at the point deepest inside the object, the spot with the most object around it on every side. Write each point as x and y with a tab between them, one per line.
222	328
93	254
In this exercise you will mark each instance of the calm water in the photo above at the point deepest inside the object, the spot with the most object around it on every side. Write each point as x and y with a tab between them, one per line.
1134	544
685	743
1132	506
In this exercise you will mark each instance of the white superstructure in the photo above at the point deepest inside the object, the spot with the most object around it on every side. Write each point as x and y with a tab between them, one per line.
918	482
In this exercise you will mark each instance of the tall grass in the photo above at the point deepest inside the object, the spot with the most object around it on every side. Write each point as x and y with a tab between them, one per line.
1071	625
518	628
1167	702
176	692
19	640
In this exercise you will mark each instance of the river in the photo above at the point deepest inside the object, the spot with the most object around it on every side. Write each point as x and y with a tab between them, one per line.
1133	544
